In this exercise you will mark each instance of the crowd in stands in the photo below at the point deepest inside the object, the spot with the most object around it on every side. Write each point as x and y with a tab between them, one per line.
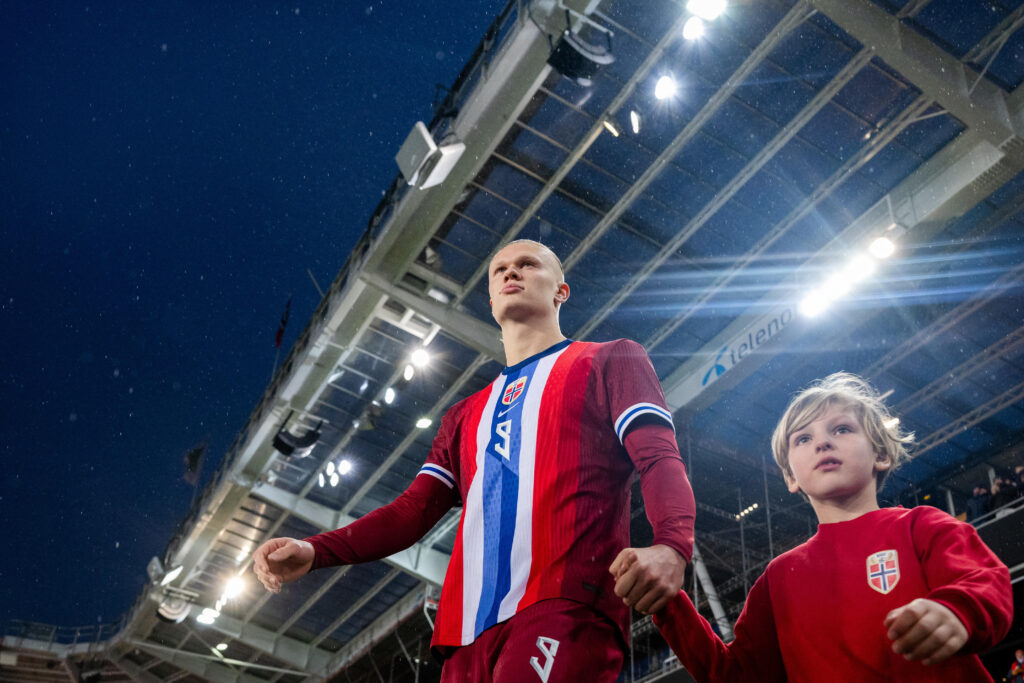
1005	489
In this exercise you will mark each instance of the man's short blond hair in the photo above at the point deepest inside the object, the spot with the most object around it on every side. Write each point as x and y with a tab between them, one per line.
845	390
543	247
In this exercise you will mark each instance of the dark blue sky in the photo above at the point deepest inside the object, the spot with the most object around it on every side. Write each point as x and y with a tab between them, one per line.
168	173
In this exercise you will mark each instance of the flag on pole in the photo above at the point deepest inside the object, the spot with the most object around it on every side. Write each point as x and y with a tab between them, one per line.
284	323
194	463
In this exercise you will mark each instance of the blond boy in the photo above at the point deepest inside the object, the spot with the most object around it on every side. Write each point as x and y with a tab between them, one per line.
877	594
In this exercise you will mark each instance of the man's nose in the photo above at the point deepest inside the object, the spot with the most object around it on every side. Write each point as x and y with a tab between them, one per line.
511	274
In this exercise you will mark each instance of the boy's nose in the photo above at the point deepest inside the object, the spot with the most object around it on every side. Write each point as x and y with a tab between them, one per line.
823	444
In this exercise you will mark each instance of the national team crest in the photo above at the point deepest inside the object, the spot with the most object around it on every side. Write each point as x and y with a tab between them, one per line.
883	570
513	391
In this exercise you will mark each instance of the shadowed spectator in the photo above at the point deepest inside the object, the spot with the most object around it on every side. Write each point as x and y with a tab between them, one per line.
978	503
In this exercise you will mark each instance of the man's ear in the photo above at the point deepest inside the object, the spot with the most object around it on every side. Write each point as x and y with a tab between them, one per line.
562	293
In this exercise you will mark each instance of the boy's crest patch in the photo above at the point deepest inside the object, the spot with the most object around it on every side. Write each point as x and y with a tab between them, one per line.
512	391
883	570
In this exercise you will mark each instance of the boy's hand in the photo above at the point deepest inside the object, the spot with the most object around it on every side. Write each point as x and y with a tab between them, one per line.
924	629
280	560
647	578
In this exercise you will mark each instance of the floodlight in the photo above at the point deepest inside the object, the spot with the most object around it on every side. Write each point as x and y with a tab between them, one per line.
882	248
861	267
423	162
706	9
208	616
423	423
389	396
320	479
408	372
330	467
221	647
665	88
634	121
364	385
335	479
693	28
171	575
610	128
420	357
836	286
891	422
344	467
234	587
575	58
300	446
813	304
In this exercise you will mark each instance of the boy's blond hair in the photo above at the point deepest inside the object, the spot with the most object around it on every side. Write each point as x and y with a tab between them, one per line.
848	391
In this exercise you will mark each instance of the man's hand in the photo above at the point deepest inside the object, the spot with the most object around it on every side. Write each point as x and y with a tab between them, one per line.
926	630
647	578
280	560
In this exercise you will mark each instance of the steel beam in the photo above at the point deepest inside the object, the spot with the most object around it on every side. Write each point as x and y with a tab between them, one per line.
425	563
979	103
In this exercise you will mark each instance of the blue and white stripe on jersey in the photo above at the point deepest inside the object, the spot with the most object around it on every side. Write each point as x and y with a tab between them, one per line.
438	472
635	411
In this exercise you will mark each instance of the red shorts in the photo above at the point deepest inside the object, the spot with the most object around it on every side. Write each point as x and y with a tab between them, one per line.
551	641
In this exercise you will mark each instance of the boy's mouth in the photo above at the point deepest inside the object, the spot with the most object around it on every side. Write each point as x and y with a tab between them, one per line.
828	463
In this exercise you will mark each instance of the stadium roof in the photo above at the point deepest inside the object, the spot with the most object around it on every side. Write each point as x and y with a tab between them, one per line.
798	135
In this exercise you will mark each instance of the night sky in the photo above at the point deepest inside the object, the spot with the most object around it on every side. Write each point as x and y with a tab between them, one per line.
168	173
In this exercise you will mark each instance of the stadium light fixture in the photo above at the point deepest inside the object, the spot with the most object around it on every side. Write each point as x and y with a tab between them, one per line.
693	29
208	616
171	575
423	422
389	396
234	587
321	480
221	647
420	357
344	467
891	422
330	467
634	121
334	480
882	248
408	373
608	126
665	88
708	10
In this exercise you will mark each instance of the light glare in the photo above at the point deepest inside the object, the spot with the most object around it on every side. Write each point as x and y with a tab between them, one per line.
634	121
706	9
882	248
693	28
330	468
389	395
233	587
420	357
813	304
665	88
344	467
335	479
320	479
221	647
423	422
610	128
408	373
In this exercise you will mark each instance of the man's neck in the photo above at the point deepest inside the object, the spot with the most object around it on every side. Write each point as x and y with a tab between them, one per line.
523	340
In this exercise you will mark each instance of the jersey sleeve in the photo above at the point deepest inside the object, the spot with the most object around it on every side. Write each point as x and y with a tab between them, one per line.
668	496
752	657
632	389
965	576
397	525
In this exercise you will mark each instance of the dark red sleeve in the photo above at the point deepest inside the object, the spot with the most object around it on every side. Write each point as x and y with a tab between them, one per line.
753	656
668	497
967	577
388	529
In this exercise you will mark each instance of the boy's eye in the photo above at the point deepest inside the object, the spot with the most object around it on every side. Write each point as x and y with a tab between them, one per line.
803	438
843	429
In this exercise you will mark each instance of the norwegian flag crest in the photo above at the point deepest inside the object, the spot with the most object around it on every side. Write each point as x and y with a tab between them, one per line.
883	570
513	391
